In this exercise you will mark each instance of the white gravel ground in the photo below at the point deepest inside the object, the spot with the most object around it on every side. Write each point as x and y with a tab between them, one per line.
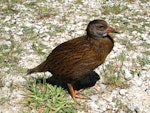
66	19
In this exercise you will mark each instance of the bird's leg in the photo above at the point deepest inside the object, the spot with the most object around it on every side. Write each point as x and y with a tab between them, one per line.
78	91
74	92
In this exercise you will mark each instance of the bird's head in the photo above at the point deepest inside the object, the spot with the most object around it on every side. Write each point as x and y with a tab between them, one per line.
99	28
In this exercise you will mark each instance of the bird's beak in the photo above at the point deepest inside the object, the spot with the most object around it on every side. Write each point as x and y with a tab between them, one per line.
111	30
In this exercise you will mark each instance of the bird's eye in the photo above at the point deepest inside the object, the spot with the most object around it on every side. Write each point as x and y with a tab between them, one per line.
101	26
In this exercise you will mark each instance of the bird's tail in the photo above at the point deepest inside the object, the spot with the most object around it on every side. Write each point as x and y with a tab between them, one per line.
40	68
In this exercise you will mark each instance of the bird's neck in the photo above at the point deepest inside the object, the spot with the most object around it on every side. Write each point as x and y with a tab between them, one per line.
107	37
104	44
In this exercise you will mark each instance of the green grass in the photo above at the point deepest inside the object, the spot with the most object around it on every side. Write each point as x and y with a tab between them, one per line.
115	81
38	47
147	53
46	98
31	4
78	1
111	79
56	29
144	1
3	100
122	57
144	61
28	34
130	1
115	9
9	55
127	44
88	92
27	30
114	75
6	6
1	82
11	1
121	106
45	12
146	45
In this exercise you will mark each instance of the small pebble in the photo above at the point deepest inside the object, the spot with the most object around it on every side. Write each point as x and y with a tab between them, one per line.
123	92
94	97
128	75
7	18
138	82
8	83
93	105
103	86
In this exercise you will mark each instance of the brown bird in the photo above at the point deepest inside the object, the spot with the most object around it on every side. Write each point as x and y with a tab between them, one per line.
74	59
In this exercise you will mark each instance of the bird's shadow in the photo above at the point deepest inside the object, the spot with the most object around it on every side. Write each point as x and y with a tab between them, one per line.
86	82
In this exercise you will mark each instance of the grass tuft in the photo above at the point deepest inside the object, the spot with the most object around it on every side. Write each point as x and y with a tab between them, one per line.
127	43
114	9
144	61
121	106
111	79
130	1
47	98
45	12
78	1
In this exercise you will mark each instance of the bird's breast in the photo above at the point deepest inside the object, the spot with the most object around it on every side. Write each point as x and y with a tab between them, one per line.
102	48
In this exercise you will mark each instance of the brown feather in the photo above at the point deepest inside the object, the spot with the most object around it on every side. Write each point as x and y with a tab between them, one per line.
75	58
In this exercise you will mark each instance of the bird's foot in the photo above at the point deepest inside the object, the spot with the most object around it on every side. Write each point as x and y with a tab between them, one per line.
74	93
79	96
79	91
75	96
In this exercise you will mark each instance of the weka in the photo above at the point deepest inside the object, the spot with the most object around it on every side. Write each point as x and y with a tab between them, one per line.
74	59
